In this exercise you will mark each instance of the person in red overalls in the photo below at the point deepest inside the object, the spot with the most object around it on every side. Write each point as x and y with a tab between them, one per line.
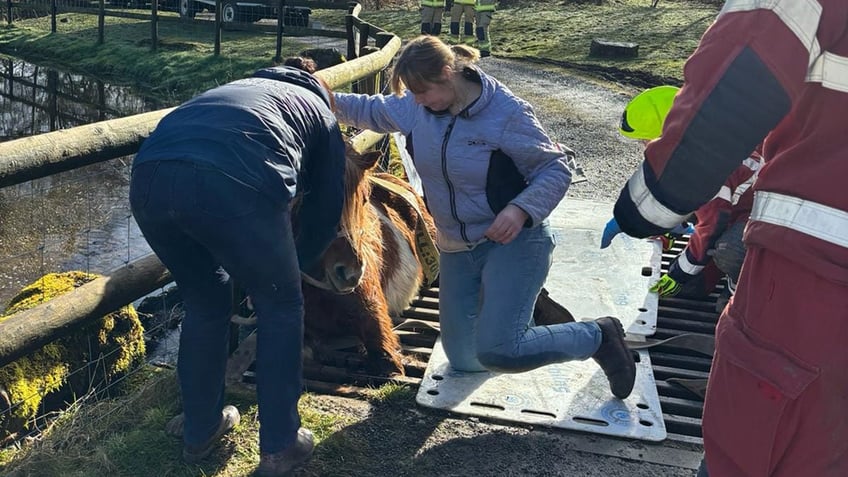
715	247
775	72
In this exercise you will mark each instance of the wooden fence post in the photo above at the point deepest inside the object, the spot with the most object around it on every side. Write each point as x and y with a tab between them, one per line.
353	10
154	25
218	20
101	22
53	16
9	11
370	84
281	8
363	49
381	40
351	37
364	33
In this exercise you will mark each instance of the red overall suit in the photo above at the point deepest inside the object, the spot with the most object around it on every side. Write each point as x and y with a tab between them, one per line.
777	402
730	206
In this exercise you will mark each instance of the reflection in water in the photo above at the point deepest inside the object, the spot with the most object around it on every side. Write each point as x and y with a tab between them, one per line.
35	99
76	220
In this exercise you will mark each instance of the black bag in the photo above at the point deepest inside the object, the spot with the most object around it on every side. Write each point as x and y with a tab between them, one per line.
503	182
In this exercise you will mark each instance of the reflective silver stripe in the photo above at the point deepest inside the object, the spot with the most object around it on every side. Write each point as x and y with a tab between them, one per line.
803	17
811	218
743	187
723	193
754	164
831	71
648	205
731	285
800	16
688	267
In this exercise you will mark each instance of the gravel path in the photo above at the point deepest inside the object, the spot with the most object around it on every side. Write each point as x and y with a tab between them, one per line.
581	113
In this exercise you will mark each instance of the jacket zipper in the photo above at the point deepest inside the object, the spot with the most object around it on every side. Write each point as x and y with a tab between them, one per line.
451	191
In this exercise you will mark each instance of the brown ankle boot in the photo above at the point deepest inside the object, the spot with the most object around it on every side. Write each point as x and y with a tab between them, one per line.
283	462
230	418
615	358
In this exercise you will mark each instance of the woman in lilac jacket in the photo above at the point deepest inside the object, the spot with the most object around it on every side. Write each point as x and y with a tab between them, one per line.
491	176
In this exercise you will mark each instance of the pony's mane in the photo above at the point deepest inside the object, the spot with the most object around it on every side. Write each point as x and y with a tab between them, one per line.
359	223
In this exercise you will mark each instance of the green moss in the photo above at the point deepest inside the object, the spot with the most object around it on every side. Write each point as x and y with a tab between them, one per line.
107	347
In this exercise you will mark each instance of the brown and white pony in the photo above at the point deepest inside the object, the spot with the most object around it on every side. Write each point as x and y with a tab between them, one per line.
371	270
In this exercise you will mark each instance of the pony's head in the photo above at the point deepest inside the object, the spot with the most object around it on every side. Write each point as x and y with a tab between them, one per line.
356	247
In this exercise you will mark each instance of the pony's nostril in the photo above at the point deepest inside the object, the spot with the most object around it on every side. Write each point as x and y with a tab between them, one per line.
341	273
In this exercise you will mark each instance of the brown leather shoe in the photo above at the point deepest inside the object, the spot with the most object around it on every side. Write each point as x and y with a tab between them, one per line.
282	462
230	418
615	358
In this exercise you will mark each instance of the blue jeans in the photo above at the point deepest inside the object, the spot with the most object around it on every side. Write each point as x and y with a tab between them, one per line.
198	220
486	301
702	469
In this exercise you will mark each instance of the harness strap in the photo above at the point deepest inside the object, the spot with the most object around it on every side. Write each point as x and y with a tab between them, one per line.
425	248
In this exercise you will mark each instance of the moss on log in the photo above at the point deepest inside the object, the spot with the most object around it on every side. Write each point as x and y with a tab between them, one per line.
101	350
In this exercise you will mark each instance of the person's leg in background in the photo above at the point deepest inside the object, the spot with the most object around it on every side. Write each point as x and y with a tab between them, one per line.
438	13
469	15
426	19
485	9
455	17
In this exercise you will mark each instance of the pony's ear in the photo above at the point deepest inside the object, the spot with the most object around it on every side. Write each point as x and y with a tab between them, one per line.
365	161
350	152
370	159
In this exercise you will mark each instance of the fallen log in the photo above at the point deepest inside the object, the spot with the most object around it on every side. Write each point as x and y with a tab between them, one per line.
29	330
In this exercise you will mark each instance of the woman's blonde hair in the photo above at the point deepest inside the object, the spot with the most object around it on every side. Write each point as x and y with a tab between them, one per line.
422	61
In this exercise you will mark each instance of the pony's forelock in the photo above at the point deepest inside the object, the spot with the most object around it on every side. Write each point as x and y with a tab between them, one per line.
358	223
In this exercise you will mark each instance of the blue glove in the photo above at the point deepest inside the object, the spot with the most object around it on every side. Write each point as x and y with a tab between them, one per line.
610	231
685	228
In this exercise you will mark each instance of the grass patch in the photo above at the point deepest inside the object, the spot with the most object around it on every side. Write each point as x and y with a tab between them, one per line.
126	436
391	393
666	35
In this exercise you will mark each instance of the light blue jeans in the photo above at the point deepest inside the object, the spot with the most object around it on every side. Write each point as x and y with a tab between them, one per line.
486	301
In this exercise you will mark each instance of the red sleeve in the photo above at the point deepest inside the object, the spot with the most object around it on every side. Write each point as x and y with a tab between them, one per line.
740	83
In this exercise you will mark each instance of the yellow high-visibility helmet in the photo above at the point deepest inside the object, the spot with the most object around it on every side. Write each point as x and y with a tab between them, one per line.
644	115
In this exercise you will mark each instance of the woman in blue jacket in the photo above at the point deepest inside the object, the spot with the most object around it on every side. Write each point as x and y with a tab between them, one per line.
211	190
491	176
